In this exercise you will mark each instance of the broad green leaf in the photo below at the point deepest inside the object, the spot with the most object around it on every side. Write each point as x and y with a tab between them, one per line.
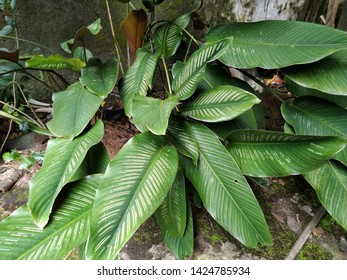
182	138
152	114
215	76
53	62
93	28
186	82
269	154
138	79
62	159
168	36
275	44
134	27
298	91
327	75
135	183
73	110
222	103
95	161
82	54
329	182
20	238
314	116
184	246
224	191
171	215
100	78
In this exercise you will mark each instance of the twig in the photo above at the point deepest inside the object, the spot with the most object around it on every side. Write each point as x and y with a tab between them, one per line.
305	234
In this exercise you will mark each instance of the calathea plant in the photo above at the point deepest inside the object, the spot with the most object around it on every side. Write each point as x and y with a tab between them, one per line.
205	130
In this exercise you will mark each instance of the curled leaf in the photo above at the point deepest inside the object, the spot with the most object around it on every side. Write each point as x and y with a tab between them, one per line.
134	26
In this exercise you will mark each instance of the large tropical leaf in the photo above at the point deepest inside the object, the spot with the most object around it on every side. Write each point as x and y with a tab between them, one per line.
330	183
224	191
182	138
222	103
95	161
332	73
276	44
152	113
314	116
100	78
184	246
168	36
55	61
135	183
20	238
187	79
298	90
171	215
138	79
267	153
72	110
62	159
134	26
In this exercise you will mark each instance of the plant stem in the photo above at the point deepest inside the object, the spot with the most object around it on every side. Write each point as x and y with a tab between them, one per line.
261	84
116	45
167	75
29	42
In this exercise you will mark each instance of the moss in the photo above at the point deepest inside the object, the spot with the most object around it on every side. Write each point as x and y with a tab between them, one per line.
312	251
331	226
209	229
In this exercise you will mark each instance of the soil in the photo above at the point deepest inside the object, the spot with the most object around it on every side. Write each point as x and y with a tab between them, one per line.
288	204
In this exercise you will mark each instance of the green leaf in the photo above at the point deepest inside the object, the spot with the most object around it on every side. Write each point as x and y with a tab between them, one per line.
134	185
275	44
325	118
171	215
138	79
167	37
222	103
9	156
62	159
82	54
332	73
152	114
187	80
182	138
184	246
224	192
26	162
93	28
53	62
298	91
329	182
96	161
100	78
72	110
68	228
268	153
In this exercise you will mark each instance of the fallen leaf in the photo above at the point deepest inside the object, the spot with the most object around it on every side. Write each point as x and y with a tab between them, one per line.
318	232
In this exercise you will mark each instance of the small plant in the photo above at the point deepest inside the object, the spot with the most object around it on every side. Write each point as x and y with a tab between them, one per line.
205	128
25	161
